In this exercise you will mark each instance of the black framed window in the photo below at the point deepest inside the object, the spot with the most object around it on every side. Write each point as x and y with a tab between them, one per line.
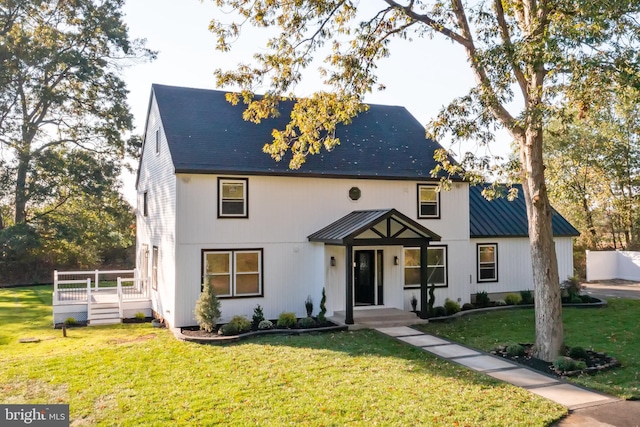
436	267
233	273
487	262
428	201
145	204
233	200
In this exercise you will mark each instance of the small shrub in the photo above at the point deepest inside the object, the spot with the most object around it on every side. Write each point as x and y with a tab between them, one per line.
515	350
482	299
575	300
526	296
571	287
585	299
265	324
432	300
287	320
513	299
70	321
578	353
323	308
306	323
308	305
258	316
467	306
439	311
207	309
229	329
139	316
242	323
500	302
567	364
451	307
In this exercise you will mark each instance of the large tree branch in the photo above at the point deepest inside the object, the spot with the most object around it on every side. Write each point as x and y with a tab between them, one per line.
509	48
426	19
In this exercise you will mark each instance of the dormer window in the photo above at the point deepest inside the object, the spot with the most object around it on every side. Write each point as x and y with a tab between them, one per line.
233	201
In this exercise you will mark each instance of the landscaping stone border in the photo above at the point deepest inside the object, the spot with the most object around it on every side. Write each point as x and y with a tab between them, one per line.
221	339
601	303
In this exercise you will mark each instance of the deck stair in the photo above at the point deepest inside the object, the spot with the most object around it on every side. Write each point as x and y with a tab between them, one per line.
104	313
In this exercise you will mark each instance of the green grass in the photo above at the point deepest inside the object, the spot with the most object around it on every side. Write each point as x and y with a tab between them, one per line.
613	330
136	375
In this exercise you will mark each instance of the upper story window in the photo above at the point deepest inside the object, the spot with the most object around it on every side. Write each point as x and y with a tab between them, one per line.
488	262
428	201
233	201
436	266
157	141
233	273
145	204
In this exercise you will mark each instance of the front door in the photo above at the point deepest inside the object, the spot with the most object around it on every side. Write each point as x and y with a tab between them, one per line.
364	278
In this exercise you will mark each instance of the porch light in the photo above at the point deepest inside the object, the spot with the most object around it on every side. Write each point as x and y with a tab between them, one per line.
333	261
396	260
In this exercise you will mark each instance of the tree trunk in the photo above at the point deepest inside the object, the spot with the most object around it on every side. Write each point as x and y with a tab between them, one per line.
21	188
548	304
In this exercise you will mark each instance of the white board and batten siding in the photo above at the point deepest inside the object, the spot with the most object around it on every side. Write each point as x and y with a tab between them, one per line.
283	212
157	179
514	264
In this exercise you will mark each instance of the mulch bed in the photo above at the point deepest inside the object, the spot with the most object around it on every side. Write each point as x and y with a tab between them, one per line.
595	361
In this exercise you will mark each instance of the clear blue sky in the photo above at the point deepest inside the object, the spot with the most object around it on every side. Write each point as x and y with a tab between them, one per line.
422	76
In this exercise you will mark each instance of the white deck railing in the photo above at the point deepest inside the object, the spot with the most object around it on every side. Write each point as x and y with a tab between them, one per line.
70	287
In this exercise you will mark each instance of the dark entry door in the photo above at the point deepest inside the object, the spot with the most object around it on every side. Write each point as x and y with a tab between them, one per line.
364	278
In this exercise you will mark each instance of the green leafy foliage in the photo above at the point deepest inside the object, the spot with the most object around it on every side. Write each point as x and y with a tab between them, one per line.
287	320
207	310
237	325
526	296
63	125
431	300
308	305
265	324
306	323
323	308
567	364
439	311
140	316
451	307
482	299
513	299
70	321
258	316
578	353
467	306
514	350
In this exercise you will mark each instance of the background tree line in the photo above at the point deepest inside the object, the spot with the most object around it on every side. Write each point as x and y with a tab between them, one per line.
592	156
63	122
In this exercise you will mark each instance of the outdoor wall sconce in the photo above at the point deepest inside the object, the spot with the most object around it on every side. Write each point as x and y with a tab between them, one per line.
333	261
396	260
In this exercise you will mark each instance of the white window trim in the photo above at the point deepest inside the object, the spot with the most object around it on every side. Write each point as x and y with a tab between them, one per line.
245	200
444	264
232	271
437	202
495	262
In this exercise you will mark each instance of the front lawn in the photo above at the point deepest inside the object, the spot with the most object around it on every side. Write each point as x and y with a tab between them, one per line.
613	330
136	375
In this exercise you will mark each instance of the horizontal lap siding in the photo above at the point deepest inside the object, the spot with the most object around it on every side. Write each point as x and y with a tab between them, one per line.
156	176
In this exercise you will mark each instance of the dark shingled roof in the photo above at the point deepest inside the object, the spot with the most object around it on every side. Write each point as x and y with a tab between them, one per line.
351	226
502	218
206	134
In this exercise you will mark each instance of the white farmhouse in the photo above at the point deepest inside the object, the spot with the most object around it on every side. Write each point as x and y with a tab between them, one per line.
364	222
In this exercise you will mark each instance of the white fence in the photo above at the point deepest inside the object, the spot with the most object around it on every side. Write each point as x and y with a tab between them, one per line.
606	265
77	286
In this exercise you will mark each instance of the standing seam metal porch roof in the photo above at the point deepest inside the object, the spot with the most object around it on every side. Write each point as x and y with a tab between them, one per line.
347	229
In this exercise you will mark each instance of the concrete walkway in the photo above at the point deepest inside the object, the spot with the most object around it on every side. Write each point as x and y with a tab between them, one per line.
569	395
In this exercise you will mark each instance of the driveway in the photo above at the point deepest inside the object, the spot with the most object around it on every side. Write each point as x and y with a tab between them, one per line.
616	288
